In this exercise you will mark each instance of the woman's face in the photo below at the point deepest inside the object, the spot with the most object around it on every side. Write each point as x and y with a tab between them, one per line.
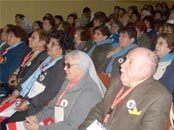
71	20
46	25
98	36
77	37
114	28
34	41
53	48
35	26
161	48
134	18
96	22
124	39
4	34
72	69
57	21
12	39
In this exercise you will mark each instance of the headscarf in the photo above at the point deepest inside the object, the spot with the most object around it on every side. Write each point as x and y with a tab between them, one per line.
27	25
87	65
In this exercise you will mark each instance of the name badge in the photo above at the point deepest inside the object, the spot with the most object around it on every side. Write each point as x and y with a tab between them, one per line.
59	114
36	89
96	125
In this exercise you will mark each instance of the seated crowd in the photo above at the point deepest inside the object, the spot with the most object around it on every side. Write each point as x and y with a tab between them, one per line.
94	72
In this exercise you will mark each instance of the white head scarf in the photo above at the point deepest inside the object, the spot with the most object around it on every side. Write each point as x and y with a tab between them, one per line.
27	25
87	65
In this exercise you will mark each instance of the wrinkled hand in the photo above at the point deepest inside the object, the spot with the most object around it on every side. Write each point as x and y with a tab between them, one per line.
23	106
31	123
12	81
8	99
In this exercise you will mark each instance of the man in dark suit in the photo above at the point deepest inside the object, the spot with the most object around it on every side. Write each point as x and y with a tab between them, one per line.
134	101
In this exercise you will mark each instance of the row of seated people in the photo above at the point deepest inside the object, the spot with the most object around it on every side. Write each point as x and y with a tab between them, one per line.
44	69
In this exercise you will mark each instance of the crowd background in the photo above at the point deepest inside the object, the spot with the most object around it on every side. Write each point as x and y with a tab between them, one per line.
35	9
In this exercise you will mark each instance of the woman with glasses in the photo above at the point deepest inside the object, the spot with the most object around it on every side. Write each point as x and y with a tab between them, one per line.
81	90
46	81
165	51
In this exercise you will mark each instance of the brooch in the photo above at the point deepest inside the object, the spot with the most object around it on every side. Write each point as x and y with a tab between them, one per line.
132	109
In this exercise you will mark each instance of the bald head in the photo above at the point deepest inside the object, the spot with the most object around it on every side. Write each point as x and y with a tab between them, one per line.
147	56
140	64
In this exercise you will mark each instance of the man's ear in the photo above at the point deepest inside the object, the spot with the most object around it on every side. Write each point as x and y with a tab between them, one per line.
145	71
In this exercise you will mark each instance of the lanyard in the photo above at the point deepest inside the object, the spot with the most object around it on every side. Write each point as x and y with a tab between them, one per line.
43	65
119	97
69	86
6	51
11	47
27	58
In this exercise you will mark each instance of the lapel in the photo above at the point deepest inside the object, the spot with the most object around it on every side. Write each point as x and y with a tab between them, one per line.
138	94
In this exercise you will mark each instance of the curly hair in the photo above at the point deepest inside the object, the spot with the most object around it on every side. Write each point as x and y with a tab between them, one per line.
64	39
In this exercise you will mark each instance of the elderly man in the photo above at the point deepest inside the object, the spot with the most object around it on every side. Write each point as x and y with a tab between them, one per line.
134	101
81	90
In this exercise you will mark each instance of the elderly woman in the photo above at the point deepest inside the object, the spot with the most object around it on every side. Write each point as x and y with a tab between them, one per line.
48	23
37	42
11	58
164	49
44	84
72	104
23	22
82	37
3	39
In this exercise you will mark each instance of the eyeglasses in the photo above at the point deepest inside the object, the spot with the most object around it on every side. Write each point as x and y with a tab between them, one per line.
68	65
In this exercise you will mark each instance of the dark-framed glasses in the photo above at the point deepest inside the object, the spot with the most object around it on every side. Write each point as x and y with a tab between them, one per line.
68	65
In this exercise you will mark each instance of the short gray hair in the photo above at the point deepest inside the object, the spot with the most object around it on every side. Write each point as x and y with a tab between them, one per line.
153	58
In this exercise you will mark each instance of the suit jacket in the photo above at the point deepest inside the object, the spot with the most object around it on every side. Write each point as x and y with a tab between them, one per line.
81	98
13	59
151	98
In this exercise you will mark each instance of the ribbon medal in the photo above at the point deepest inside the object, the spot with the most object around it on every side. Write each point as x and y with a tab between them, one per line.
132	109
120	60
41	77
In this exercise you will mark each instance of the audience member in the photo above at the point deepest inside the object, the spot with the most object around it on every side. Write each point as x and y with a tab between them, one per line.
73	99
134	100
165	51
127	41
82	38
37	25
49	77
13	55
142	39
102	45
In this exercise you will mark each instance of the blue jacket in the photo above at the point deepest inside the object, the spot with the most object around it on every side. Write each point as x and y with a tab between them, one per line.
12	61
168	78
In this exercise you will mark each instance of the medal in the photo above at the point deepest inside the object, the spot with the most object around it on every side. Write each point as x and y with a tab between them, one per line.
29	63
41	77
64	103
120	60
1	59
131	104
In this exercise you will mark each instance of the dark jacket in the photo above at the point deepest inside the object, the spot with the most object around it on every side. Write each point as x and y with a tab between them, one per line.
12	61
